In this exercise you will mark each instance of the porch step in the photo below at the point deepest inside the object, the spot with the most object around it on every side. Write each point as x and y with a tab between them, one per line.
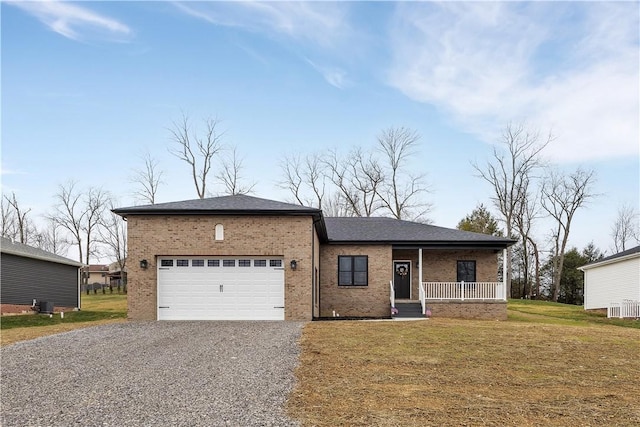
408	309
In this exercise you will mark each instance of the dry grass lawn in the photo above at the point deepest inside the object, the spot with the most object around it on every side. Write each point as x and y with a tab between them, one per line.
445	372
105	305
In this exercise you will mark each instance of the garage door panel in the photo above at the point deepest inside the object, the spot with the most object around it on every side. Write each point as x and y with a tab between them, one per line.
221	292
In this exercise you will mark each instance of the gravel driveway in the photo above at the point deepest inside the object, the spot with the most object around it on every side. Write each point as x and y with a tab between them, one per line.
153	373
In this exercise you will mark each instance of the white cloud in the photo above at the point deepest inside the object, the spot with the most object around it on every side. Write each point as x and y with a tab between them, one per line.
335	76
319	22
68	19
572	68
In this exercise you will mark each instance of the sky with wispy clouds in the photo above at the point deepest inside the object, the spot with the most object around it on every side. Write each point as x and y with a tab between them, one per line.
88	87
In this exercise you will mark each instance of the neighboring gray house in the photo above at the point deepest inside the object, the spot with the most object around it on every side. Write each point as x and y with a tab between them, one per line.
29	273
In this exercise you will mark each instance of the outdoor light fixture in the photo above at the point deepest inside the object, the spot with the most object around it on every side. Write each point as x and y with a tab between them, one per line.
144	264
294	264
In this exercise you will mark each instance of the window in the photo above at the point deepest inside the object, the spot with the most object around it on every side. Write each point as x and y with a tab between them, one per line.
244	263
197	263
228	262
353	270
275	263
182	263
260	263
466	271
213	263
219	232
166	263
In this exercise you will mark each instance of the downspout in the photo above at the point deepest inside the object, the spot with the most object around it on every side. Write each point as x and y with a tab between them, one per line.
504	274
313	270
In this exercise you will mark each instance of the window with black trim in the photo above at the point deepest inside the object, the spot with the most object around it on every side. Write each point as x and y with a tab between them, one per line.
197	263
353	270
275	263
466	271
166	263
260	263
182	263
244	263
213	263
228	262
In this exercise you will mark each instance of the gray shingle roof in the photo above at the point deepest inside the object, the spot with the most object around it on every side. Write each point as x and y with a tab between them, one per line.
614	257
391	230
15	248
237	204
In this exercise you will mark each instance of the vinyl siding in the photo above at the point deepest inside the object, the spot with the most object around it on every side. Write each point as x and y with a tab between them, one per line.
612	283
25	279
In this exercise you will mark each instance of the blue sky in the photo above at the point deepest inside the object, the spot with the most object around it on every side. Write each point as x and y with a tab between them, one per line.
88	87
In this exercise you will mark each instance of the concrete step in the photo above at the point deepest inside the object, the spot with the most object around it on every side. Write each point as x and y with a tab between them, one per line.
409	309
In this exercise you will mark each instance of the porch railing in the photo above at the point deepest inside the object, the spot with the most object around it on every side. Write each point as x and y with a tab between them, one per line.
462	291
626	308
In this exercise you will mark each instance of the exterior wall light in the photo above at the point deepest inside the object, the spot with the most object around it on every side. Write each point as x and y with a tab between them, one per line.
294	264
144	264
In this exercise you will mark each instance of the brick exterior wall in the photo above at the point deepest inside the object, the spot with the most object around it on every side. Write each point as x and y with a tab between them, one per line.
150	236
356	301
441	265
486	310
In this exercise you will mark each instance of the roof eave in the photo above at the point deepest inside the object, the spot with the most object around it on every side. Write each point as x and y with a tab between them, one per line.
70	262
454	244
126	212
609	261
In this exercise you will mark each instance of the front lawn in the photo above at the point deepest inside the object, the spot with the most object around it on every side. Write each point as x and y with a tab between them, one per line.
96	309
565	370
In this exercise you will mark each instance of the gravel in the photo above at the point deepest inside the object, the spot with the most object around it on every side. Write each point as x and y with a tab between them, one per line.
153	373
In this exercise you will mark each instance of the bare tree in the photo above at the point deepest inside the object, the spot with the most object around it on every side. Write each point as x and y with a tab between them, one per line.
197	150
510	174
230	175
9	229
626	228
51	238
358	178
305	178
22	227
80	216
148	179
562	196
113	234
401	192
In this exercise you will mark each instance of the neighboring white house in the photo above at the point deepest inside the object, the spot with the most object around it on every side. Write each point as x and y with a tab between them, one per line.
612	280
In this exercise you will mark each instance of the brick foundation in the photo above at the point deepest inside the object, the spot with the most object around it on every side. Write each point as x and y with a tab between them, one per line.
487	310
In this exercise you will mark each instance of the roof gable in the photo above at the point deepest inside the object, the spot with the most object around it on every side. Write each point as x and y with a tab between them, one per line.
14	248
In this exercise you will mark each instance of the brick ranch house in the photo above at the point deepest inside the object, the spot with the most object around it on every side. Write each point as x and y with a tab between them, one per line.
241	257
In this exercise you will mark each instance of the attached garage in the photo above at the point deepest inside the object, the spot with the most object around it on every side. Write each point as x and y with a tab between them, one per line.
220	288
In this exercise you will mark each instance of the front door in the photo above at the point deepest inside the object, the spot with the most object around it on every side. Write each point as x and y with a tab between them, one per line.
402	279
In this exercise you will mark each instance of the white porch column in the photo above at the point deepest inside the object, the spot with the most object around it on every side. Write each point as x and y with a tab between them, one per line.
504	274
419	269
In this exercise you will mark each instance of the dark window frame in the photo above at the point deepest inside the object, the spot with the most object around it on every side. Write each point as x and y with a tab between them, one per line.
213	263
228	263
275	263
182	262
351	271
468	262
166	263
259	262
197	262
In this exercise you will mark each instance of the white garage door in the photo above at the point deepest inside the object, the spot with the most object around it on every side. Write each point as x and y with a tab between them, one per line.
220	288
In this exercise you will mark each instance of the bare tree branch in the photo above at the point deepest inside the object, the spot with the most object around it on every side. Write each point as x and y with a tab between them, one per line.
21	220
562	196
148	178
626	228
230	175
195	150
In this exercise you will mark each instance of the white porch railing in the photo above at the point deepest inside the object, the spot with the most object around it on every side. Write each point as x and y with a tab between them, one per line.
626	308
462	291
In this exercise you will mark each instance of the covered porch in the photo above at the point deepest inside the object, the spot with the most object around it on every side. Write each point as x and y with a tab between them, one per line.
451	281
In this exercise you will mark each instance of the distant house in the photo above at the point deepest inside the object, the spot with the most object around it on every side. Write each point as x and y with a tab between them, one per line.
30	273
612	280
96	276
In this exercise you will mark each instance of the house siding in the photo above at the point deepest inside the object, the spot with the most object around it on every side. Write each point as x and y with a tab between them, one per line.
151	236
612	283
356	301
25	279
441	265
